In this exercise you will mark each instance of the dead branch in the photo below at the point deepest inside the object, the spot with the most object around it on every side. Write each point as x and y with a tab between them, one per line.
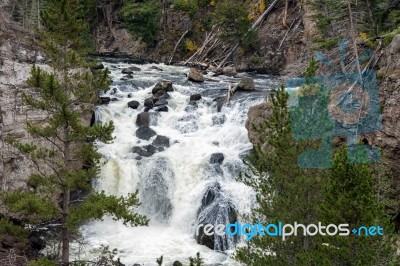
176	45
254	26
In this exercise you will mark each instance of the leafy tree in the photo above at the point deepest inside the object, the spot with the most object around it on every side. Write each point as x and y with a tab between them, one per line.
196	261
63	147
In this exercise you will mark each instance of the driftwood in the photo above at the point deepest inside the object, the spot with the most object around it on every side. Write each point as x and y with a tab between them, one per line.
209	38
255	25
176	45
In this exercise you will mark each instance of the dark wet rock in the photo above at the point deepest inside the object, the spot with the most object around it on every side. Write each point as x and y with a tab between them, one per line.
145	151
195	75
246	84
164	85
177	263
114	91
114	99
160	102
130	95
145	132
215	209
130	70
98	66
160	95
218	119
163	108
161	141
133	104
143	119
155	68
147	109
195	97
105	100
148	102
217	158
36	242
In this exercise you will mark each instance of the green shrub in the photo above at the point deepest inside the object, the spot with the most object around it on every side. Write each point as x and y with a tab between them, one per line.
189	6
141	18
232	17
8	228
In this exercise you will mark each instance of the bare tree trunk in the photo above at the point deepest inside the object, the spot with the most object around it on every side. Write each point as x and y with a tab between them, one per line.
284	22
65	233
354	40
176	46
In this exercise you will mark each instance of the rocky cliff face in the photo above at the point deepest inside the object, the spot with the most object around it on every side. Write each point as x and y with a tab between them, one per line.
16	59
388	139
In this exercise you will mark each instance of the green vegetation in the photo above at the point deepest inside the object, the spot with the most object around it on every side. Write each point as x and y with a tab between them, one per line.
141	18
190	6
345	193
232	17
62	148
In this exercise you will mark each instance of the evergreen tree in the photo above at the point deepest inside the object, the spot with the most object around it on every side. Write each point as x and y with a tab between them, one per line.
284	192
63	147
350	198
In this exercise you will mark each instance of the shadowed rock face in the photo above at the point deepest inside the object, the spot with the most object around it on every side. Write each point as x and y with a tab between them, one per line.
215	209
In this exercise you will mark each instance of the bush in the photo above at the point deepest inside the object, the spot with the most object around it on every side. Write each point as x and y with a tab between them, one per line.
189	6
233	19
141	18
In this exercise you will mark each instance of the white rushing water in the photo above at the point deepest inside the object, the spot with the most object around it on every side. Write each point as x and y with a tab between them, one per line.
173	182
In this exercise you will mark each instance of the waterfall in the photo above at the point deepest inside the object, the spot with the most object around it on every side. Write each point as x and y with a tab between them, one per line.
190	180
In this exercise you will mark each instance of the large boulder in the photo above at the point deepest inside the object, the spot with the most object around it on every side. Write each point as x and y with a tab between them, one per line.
246	84
215	209
255	118
229	71
145	132
143	119
133	104
195	75
130	70
164	85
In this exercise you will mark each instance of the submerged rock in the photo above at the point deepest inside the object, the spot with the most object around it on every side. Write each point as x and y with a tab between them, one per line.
130	70
145	151
217	158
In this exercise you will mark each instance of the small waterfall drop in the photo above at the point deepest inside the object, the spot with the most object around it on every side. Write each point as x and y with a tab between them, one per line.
190	178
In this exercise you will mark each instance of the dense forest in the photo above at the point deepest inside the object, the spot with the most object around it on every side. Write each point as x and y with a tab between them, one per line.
306	39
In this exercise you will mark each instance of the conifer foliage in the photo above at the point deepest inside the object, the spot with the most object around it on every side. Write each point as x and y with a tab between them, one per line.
63	147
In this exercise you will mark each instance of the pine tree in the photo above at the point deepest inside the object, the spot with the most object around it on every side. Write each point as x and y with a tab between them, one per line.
350	199
63	147
284	192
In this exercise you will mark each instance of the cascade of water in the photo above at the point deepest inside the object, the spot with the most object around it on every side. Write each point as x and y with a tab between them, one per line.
188	179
